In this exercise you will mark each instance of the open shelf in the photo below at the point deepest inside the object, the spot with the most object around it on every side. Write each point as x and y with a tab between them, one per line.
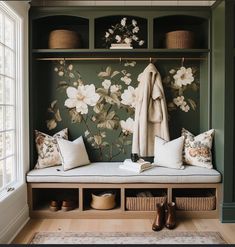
78	51
104	24
165	24
42	28
83	192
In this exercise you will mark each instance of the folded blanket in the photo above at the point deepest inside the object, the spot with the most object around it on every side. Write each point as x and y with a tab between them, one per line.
139	166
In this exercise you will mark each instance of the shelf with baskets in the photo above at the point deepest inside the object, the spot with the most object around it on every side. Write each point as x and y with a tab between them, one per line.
181	32
123	200
97	31
60	32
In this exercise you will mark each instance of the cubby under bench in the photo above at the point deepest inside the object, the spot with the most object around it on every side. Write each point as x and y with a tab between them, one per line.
195	190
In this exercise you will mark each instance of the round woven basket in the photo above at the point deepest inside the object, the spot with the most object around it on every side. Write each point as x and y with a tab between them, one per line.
64	39
103	201
180	39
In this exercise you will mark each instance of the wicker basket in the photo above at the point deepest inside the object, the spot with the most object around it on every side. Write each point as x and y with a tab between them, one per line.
206	202
64	39
180	40
143	203
103	202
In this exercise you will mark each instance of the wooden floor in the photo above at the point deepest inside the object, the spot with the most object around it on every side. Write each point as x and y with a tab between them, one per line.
119	225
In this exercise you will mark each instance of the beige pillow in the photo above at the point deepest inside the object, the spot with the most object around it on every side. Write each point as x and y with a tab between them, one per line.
47	148
73	154
197	149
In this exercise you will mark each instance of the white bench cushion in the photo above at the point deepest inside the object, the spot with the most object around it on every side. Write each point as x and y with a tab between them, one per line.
109	172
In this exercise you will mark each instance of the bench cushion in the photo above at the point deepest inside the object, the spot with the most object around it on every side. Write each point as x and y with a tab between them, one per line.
109	172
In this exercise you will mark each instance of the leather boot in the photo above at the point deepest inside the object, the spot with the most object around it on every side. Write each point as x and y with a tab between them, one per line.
171	216
159	219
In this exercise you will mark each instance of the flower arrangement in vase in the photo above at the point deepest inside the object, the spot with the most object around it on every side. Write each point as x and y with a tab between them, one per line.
123	34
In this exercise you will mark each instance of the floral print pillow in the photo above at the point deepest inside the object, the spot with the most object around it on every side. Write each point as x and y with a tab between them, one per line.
197	149
47	148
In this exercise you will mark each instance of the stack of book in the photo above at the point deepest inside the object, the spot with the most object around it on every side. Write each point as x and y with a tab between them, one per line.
139	166
121	46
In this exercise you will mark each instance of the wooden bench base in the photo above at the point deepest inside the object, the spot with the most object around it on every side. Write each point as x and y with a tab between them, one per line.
40	194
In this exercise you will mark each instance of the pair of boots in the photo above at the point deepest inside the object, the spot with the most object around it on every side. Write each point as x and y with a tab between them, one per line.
164	216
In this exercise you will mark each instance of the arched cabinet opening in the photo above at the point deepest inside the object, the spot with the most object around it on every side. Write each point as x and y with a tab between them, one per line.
78	26
128	30
196	26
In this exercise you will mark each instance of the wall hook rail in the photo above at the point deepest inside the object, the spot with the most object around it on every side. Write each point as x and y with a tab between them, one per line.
120	59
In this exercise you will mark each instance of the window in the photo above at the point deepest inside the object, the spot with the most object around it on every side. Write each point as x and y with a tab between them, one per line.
10	104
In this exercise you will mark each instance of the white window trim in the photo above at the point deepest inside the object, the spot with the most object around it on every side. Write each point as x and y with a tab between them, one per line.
19	145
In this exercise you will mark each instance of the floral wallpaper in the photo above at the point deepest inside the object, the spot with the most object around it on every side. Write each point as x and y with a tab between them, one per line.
98	101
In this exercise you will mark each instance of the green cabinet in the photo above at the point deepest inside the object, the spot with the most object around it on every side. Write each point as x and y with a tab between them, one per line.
215	44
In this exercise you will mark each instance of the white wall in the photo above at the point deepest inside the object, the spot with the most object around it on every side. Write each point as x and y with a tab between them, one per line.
14	208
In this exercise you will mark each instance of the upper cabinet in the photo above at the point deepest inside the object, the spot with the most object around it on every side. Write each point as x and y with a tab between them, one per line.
180	30
129	29
60	32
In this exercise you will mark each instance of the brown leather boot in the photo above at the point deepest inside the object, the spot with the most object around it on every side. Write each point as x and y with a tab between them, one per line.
171	216
159	219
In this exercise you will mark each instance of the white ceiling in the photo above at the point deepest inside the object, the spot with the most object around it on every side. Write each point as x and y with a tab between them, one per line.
124	2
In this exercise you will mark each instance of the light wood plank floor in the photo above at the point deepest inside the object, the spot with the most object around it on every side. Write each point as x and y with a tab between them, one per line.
120	225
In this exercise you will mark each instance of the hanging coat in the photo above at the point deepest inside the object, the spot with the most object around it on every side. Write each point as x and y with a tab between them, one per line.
151	118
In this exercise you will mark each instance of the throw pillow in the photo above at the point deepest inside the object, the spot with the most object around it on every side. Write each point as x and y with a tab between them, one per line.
73	154
197	149
47	148
169	154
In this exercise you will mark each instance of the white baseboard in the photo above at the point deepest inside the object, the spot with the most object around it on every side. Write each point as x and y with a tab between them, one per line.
15	226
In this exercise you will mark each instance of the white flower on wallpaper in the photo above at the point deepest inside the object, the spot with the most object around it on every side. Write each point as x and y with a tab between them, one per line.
106	84
127	126
181	82
183	77
129	97
81	97
180	102
126	79
115	88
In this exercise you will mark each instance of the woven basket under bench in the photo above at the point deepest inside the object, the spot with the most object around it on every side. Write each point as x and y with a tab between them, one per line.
144	203
206	202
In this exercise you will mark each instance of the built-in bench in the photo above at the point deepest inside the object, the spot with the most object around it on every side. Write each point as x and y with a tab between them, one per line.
78	184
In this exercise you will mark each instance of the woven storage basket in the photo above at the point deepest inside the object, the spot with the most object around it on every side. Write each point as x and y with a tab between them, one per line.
143	203
64	39
203	203
180	40
103	202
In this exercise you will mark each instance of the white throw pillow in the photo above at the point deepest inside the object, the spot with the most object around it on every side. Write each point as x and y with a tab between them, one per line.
73	154
169	154
197	149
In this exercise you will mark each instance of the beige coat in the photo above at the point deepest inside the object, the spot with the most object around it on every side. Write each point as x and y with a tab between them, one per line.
151	116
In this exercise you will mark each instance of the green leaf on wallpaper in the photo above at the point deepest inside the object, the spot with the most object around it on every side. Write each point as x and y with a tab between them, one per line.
194	86
71	75
115	73
98	108
102	91
75	116
107	120
98	139
53	103
105	73
58	116
192	103
171	106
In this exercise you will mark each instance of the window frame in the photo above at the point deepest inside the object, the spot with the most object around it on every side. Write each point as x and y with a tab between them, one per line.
18	100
